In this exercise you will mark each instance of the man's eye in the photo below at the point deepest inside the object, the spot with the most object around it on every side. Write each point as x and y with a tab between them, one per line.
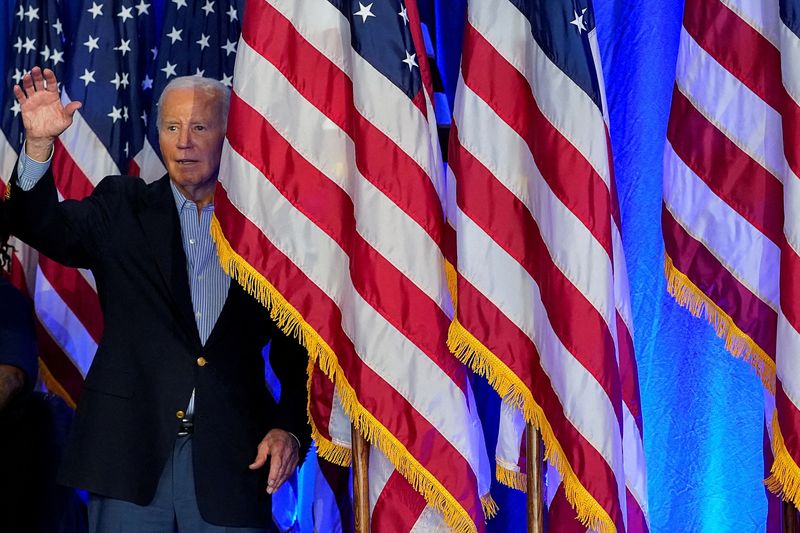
200	127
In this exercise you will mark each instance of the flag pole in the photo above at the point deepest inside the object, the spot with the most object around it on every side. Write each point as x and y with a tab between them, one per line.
790	521
360	481
534	461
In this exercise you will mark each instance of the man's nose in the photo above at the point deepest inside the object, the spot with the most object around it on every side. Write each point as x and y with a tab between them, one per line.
185	138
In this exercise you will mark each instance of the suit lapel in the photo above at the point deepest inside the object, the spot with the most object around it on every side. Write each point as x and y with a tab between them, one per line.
162	228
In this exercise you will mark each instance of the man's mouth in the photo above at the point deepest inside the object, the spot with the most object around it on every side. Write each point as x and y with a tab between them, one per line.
186	161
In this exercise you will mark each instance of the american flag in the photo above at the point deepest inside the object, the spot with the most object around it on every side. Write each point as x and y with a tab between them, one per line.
330	209
543	306
730	256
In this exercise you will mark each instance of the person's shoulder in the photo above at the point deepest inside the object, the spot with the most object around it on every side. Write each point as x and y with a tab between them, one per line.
121	183
12	298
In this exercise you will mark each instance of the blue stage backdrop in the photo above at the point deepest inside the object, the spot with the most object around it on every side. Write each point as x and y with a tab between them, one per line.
703	410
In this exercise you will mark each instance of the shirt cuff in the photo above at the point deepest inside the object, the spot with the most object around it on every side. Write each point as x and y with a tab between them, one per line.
30	171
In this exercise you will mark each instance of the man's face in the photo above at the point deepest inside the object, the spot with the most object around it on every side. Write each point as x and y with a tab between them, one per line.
190	135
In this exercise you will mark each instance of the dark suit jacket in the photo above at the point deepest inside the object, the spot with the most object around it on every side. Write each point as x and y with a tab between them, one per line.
128	234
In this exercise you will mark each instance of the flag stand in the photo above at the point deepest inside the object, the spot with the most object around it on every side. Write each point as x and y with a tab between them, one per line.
790	521
534	462
360	481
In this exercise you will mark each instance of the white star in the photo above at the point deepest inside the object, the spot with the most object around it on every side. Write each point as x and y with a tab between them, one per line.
21	13
147	82
125	113
230	47
154	51
144	117
226	80
126	144
175	34
15	108
95	10
232	14
45	53
404	14
88	77
18	45
125	13
117	81
411	61
578	22
180	4
32	13
365	12
169	70
17	75
124	46
57	57
29	45
142	8
208	8
203	42
115	114
199	72
92	43
57	26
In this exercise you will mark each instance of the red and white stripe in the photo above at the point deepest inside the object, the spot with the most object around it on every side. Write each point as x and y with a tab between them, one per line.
543	305
342	215
785	473
731	172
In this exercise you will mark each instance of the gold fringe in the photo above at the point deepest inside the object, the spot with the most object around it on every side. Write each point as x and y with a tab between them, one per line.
490	507
53	385
292	323
7	194
514	392
737	342
784	479
452	280
511	478
326	448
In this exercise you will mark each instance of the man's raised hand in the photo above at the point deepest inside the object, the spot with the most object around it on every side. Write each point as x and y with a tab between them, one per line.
44	117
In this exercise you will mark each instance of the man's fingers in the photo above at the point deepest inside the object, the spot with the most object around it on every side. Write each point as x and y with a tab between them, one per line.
72	107
38	80
19	94
50	80
261	457
277	472
27	84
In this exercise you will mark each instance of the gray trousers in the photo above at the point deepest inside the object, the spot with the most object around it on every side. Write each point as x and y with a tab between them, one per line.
173	509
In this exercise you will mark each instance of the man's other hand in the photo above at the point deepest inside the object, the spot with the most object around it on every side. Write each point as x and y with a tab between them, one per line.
44	117
284	453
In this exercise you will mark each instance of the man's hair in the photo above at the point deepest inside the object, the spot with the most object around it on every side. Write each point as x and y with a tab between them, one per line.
210	86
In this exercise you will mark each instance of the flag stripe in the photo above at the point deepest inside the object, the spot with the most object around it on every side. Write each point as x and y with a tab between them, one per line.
500	214
77	294
596	474
745	185
336	217
509	95
387	515
749	256
726	102
756	319
379	159
754	60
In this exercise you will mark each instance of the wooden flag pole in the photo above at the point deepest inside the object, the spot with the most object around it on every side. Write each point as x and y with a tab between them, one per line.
360	481
790	523
534	461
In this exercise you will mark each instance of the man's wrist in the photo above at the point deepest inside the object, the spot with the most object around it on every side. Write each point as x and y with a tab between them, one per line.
40	150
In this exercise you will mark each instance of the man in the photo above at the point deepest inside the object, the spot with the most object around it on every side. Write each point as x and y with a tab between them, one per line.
174	424
32	424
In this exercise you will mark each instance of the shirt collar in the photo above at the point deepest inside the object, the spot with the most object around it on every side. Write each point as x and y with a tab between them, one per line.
182	202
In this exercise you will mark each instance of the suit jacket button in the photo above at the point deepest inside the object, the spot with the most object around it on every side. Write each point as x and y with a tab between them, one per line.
180	414
201	361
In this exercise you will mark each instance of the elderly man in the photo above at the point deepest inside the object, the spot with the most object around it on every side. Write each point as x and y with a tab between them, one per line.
175	424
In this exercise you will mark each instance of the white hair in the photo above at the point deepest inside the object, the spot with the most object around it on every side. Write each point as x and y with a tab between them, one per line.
210	86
